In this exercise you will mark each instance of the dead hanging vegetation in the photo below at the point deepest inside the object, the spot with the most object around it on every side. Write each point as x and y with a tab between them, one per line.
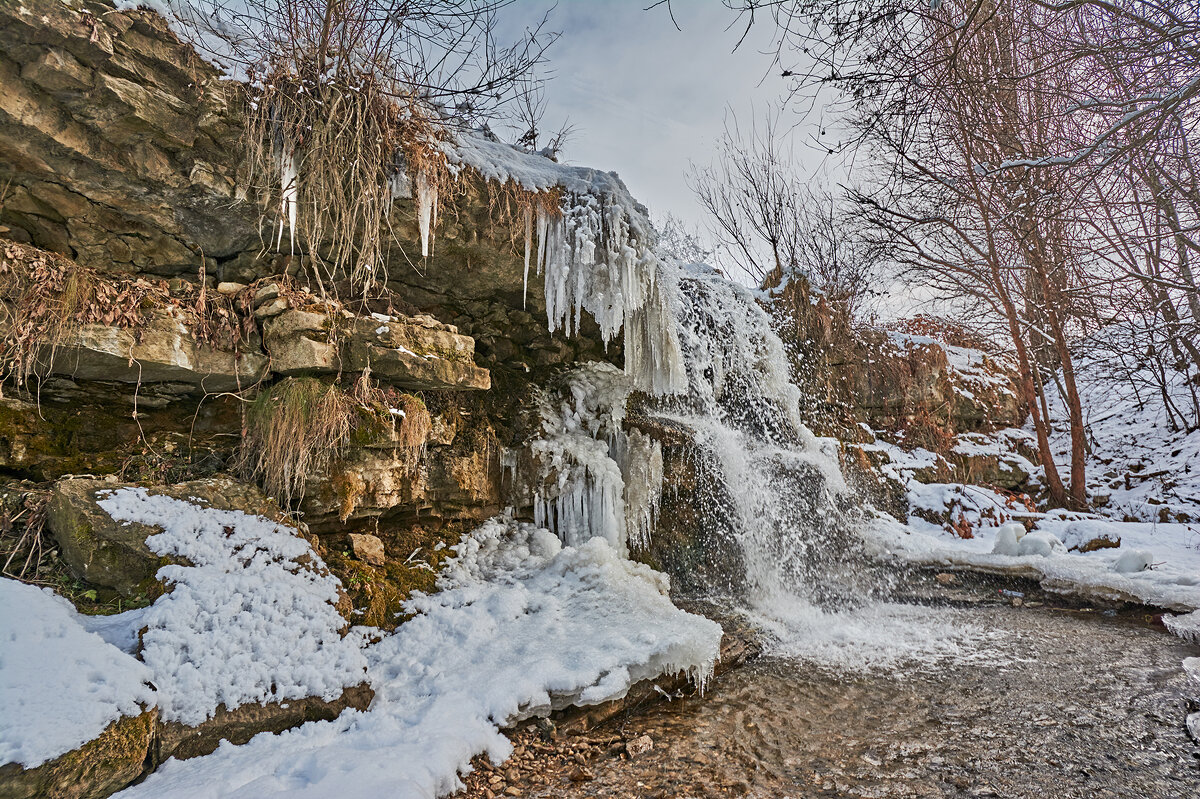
300	427
45	299
350	103
329	157
23	540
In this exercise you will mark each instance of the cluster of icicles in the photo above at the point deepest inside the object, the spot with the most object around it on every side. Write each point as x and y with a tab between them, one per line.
594	477
595	256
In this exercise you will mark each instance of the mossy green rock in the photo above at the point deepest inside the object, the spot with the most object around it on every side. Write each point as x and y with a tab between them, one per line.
98	549
114	554
239	725
97	769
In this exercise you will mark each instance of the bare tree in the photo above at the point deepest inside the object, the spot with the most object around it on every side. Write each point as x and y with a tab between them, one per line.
772	223
1019	150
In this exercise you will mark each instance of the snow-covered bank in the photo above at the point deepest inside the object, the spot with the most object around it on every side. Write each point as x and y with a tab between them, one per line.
521	624
1141	462
60	685
1172	580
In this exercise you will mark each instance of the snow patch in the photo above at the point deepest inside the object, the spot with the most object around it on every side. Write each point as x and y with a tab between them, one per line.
251	618
521	624
60	685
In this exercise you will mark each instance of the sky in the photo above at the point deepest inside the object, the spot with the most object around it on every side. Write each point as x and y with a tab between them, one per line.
647	100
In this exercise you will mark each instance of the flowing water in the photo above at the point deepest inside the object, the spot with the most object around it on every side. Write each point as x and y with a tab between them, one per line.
857	694
1072	706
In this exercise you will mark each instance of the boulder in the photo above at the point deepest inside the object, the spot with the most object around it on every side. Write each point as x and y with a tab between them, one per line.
368	548
97	769
114	555
239	725
98	549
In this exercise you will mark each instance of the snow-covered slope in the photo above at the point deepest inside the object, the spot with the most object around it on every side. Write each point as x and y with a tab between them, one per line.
1144	462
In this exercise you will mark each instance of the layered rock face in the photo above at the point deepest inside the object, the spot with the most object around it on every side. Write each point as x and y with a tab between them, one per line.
122	149
120	153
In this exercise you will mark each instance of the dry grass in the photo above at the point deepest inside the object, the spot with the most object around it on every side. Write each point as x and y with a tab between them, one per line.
25	539
415	426
348	139
293	430
45	298
300	427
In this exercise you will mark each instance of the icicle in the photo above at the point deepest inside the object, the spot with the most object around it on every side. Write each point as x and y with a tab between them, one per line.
641	461
288	195
427	201
528	243
593	262
581	490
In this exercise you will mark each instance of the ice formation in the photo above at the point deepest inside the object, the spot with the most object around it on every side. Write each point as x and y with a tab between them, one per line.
427	209
596	258
595	478
250	619
60	685
289	195
521	624
596	255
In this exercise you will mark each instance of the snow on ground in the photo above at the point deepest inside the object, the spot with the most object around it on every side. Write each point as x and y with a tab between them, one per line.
1150	473
60	685
251	618
1146	469
976	504
1172	580
520	624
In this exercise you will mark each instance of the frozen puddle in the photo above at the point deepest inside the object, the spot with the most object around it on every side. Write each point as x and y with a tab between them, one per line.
522	624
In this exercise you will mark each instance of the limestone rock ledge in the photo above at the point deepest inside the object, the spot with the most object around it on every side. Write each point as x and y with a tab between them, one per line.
415	353
165	350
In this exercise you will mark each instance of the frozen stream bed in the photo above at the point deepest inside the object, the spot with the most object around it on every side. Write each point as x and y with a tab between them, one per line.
1074	704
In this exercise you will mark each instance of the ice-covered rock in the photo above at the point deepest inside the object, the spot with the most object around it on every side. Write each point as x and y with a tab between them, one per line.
1039	542
1186	625
1133	561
